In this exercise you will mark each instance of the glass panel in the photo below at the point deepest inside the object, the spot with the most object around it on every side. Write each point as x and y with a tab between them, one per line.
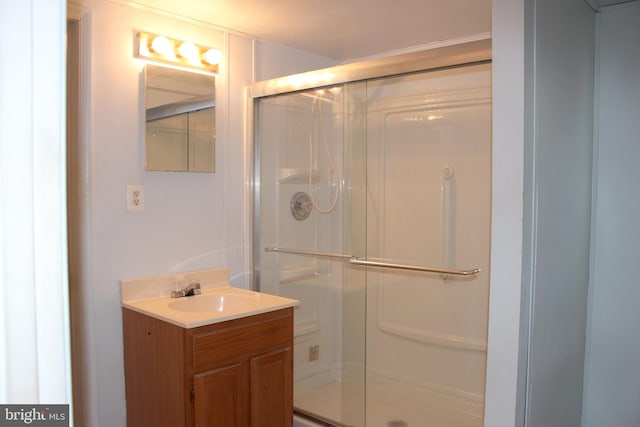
180	117
184	142
310	198
429	146
169	144
202	140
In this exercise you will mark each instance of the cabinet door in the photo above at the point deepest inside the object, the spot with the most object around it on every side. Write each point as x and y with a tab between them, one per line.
221	397
272	389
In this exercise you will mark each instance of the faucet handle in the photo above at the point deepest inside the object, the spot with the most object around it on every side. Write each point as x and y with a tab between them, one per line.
194	288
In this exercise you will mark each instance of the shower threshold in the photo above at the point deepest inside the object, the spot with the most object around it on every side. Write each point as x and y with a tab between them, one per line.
318	420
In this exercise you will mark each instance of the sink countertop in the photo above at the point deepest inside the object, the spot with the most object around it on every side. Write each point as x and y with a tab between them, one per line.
141	295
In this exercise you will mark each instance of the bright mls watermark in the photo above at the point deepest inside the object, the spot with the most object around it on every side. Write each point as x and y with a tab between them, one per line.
34	415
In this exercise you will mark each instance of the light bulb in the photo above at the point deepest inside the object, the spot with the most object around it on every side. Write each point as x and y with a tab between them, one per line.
161	45
188	50
212	56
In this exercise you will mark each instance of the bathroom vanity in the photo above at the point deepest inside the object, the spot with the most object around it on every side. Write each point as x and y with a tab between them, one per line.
223	358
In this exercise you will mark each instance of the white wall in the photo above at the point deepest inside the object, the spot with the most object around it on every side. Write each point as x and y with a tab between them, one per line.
191	221
502	393
612	377
558	163
274	60
34	320
183	225
542	63
236	167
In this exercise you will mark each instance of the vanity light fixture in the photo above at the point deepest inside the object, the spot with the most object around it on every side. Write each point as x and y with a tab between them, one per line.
179	53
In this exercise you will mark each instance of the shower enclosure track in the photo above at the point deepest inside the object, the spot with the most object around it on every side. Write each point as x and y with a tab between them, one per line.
377	263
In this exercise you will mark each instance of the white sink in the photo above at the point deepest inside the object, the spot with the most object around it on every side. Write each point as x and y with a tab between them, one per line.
215	303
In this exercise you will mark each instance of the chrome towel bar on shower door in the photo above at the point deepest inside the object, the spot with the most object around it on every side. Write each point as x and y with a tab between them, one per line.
310	253
378	263
384	264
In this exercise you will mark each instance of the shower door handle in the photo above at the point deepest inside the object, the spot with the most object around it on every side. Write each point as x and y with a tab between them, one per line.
383	264
378	263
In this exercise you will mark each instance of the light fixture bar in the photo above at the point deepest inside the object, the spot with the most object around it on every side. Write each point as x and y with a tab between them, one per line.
179	53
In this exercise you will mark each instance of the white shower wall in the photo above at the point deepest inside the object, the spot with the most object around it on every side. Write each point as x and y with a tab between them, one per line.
428	140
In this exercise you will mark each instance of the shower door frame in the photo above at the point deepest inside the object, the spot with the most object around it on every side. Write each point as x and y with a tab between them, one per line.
441	58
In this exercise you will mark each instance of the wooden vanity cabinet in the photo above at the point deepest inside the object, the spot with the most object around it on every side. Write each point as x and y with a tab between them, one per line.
237	373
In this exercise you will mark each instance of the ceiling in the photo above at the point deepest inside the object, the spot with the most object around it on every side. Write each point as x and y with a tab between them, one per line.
340	29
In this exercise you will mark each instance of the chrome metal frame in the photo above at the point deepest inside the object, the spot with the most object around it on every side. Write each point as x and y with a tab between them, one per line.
387	264
318	419
255	200
181	107
380	263
470	53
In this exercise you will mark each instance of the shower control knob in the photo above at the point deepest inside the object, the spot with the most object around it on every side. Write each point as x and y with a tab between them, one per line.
301	206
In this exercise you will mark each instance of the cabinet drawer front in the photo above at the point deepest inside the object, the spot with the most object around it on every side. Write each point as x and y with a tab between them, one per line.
241	340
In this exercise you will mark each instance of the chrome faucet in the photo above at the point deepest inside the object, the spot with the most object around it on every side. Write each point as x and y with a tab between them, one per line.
192	289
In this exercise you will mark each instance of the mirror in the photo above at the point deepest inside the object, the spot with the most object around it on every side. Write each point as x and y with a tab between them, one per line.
180	129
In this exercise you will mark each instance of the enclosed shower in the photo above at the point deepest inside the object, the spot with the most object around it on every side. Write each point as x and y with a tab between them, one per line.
372	208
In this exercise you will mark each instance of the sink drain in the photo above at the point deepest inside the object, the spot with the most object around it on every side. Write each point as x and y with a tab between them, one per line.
397	423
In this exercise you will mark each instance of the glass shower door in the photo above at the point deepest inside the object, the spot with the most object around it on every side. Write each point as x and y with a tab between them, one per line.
311	164
428	204
374	211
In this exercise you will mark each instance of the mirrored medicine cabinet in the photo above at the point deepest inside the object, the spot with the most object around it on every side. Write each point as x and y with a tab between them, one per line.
180	130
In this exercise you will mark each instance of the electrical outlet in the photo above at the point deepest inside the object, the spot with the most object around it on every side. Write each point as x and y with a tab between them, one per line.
314	352
135	198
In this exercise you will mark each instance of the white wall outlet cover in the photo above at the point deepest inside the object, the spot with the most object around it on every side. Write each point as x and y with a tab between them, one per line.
135	198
